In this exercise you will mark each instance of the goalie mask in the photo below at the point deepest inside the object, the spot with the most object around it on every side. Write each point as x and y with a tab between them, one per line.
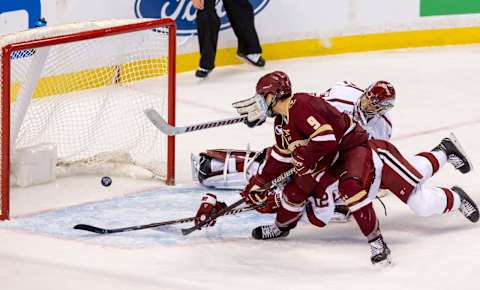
377	99
276	83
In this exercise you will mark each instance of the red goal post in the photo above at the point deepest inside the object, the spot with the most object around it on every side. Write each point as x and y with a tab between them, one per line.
83	88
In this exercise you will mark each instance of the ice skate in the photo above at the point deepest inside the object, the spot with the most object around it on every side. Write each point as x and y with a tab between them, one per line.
380	252
467	207
268	232
455	154
341	214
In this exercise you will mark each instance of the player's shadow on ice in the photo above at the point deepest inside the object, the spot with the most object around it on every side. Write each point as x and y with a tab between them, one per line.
429	226
398	229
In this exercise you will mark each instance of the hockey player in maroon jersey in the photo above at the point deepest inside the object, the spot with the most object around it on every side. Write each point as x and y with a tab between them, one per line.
313	136
231	169
397	175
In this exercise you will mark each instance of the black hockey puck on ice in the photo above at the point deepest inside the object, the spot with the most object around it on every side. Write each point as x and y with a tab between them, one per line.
106	181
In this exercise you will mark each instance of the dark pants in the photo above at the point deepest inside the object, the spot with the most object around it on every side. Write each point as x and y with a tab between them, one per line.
240	14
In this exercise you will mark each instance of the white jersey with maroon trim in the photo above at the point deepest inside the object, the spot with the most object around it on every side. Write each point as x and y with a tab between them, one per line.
344	97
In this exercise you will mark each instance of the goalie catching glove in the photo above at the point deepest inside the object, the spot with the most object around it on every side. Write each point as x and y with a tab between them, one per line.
209	205
254	108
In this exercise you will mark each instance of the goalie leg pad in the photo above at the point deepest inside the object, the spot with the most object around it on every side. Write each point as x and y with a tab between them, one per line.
225	168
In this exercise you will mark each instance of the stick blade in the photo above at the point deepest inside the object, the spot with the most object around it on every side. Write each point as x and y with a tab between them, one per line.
90	228
187	231
159	122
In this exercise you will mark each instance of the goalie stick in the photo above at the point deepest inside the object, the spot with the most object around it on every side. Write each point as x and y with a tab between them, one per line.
170	130
212	217
98	230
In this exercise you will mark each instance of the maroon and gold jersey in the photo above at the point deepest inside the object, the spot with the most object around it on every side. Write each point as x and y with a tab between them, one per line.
315	127
312	121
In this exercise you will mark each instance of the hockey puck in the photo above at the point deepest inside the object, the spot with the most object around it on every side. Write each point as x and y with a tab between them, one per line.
106	181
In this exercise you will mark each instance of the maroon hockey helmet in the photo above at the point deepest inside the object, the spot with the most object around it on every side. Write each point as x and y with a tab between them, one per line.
377	99
276	83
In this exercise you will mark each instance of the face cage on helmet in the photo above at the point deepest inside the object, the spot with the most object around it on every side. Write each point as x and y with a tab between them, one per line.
377	109
384	107
274	101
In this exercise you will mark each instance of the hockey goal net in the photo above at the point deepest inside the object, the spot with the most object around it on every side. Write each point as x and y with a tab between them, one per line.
83	87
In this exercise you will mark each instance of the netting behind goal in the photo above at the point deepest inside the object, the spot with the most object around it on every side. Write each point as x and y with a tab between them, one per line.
83	87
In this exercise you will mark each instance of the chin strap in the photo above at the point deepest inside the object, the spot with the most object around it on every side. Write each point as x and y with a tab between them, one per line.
269	110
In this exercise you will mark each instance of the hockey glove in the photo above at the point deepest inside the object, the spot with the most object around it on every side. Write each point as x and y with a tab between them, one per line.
208	206
271	204
254	194
254	108
304	168
303	165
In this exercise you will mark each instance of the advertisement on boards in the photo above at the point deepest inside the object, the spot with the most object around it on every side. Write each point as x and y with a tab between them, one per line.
448	7
19	14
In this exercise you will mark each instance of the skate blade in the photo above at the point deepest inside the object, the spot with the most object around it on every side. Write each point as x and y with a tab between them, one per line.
460	148
339	218
383	264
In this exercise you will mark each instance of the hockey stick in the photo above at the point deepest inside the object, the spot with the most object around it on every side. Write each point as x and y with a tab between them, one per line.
98	230
212	217
166	128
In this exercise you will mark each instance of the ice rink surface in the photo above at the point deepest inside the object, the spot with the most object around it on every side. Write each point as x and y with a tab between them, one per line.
437	93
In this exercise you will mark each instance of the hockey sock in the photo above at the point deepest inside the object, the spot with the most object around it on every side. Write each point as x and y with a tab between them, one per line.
286	219
428	163
427	201
367	221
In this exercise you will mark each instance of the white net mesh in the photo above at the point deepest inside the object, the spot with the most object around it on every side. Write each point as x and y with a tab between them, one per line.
90	97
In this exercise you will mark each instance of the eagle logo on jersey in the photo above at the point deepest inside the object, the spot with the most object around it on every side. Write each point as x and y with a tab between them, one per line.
286	138
286	135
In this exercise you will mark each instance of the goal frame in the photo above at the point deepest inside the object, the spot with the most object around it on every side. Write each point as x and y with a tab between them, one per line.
8	49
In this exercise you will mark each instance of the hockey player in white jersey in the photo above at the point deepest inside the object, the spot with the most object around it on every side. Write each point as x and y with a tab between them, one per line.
370	108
